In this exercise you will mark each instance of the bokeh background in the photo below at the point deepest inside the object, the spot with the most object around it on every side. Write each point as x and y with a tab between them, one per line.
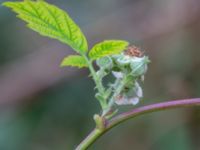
45	107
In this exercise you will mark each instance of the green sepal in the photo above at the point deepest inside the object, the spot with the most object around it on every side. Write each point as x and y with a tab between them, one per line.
105	62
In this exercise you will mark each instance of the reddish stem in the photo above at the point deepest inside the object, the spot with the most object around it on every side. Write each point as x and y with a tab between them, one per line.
96	133
152	108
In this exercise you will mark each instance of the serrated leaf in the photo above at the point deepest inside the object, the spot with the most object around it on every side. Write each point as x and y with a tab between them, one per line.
74	61
50	21
109	47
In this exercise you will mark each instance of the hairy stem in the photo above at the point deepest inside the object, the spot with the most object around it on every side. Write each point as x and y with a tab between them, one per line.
95	134
98	83
119	86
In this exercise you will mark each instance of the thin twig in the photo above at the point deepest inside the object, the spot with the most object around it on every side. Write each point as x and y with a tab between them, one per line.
96	133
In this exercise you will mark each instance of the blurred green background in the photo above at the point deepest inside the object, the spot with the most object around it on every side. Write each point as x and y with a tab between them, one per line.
45	107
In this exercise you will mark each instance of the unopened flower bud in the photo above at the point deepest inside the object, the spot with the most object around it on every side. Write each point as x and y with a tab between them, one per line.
139	65
105	63
123	60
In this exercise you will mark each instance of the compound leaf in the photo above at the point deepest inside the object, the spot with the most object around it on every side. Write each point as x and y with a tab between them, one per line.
51	21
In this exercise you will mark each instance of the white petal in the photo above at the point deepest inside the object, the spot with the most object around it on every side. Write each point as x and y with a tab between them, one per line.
134	100
138	91
127	101
122	101
117	74
142	78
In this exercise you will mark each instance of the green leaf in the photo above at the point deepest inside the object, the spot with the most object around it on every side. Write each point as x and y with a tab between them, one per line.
109	47
49	20
74	61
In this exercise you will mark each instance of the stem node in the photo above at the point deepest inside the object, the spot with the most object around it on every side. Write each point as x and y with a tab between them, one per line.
100	122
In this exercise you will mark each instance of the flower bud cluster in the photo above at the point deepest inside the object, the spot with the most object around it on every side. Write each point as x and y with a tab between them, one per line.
127	67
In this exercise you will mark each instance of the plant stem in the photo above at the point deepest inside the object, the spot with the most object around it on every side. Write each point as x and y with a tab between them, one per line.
96	79
90	139
95	134
119	83
98	83
153	108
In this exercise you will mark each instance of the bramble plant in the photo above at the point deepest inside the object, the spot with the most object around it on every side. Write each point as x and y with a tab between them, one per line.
127	64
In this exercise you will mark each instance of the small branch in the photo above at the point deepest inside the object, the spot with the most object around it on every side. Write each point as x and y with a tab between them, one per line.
95	134
98	83
94	76
153	108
